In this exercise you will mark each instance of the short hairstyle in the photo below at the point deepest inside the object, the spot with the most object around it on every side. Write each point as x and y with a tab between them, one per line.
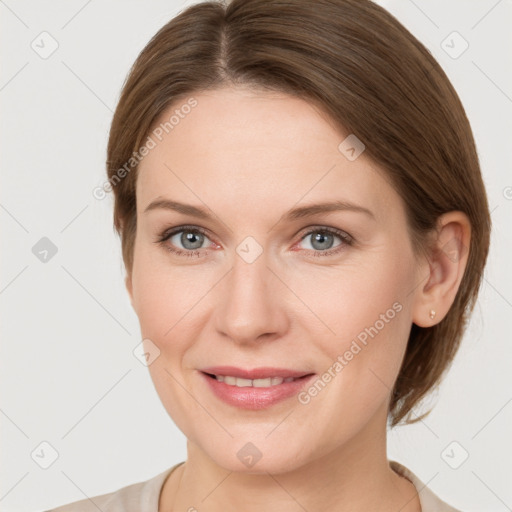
373	79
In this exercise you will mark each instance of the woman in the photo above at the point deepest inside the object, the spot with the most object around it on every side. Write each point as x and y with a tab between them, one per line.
304	228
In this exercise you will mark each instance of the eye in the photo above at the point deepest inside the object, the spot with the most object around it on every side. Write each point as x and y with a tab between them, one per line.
323	238
188	240
184	240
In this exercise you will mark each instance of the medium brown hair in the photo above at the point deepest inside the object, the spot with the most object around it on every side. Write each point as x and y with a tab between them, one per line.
374	79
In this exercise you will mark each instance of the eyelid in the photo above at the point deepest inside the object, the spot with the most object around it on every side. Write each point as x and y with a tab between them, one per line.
172	231
327	229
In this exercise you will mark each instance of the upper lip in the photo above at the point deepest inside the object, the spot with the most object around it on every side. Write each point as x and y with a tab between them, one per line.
254	373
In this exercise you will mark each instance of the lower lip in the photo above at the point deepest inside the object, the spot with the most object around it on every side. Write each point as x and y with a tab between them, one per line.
255	398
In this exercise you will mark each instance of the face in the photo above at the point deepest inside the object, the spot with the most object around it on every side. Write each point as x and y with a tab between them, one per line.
327	295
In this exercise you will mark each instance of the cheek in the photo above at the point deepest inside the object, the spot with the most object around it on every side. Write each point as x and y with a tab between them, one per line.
157	297
369	314
162	292
362	316
170	304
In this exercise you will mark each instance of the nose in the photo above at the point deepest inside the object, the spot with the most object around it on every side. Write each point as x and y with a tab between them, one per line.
250	305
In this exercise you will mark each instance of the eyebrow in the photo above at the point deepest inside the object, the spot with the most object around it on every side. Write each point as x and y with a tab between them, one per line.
294	214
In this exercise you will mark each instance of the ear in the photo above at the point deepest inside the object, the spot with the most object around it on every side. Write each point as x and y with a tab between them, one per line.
441	276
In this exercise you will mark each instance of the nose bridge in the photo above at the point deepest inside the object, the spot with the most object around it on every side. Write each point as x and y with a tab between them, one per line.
249	304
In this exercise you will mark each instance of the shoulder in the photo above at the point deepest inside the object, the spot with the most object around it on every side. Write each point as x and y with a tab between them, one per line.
132	498
429	501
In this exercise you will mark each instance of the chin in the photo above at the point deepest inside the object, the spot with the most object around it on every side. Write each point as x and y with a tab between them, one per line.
258	456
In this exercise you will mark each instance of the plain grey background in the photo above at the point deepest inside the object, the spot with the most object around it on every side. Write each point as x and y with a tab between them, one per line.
74	397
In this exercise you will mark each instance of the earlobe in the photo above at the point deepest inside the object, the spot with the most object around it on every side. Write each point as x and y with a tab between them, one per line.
446	265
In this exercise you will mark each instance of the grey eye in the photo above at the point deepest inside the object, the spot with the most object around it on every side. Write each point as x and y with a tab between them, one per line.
189	239
321	240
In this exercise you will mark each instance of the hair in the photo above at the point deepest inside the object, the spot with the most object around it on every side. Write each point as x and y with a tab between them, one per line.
374	79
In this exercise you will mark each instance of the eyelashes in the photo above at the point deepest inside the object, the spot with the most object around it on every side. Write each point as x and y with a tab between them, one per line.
163	240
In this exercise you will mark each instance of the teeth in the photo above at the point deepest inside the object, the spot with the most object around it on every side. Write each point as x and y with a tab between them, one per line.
257	383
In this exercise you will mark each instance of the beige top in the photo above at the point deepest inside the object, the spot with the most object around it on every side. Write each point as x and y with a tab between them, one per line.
143	496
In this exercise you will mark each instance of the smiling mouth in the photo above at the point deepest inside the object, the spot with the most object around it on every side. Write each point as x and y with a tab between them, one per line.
256	383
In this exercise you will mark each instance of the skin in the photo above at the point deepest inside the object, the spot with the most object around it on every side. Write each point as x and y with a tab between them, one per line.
249	157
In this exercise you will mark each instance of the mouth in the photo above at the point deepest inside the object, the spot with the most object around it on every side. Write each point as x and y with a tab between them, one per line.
254	389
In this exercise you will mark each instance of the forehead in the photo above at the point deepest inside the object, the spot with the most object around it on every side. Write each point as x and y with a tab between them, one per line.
260	146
